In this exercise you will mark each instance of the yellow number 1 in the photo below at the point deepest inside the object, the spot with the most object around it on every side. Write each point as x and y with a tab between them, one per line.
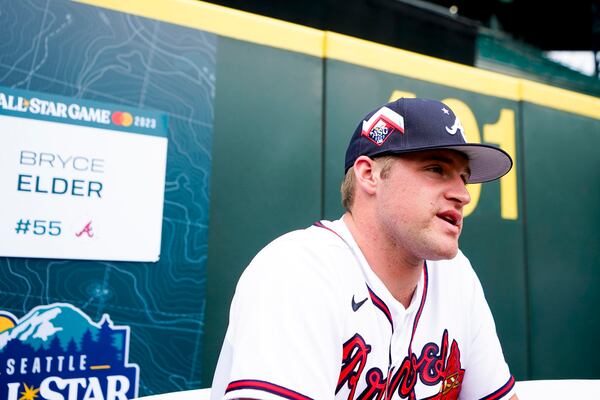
502	133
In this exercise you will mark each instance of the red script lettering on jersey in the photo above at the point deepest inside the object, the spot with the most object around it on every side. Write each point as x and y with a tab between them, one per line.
431	367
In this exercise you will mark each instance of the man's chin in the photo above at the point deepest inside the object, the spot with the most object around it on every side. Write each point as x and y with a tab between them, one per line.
443	254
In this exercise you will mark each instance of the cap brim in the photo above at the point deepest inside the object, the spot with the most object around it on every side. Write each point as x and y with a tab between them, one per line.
487	163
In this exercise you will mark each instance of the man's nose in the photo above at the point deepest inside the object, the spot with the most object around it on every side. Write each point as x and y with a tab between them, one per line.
458	192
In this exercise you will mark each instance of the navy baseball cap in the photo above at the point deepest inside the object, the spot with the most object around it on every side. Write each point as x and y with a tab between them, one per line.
409	125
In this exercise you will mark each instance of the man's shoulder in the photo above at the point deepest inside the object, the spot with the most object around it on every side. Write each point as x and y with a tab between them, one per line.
310	257
313	239
304	249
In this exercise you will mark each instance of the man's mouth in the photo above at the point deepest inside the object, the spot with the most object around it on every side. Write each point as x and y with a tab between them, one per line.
452	217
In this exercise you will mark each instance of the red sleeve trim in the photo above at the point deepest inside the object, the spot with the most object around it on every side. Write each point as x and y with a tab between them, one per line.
254	384
502	391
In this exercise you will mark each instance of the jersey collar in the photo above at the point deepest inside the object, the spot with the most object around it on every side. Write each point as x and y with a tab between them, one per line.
380	294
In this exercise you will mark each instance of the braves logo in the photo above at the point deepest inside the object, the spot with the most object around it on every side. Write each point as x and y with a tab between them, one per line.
457	126
431	368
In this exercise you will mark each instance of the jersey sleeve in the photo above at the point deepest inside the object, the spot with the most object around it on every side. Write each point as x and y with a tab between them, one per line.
487	375
284	329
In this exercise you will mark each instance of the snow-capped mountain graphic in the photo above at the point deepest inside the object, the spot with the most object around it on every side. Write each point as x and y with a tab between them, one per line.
57	351
43	323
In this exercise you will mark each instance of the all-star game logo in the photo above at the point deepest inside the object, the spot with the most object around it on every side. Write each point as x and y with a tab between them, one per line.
56	352
381	125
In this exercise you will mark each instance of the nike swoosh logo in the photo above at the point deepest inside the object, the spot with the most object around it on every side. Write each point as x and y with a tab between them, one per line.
355	305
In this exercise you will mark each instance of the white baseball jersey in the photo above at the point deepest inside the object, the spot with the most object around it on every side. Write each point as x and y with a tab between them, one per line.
311	320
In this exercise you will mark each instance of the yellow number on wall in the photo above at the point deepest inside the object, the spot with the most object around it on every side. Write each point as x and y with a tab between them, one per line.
502	133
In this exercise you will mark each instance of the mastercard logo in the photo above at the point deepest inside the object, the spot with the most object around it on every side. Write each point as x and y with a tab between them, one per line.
121	118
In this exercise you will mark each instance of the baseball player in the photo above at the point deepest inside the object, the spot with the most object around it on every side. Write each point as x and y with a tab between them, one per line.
380	304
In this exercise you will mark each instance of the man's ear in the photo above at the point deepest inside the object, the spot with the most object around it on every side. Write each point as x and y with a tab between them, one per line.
366	174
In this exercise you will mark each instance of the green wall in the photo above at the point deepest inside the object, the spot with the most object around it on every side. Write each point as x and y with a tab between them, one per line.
562	171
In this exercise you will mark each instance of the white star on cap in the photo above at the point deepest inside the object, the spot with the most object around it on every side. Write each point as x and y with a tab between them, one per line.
445	110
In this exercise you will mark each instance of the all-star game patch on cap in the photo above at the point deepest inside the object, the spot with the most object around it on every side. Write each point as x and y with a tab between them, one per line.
409	125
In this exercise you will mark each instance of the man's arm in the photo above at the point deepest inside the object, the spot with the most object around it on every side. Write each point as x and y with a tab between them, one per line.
283	333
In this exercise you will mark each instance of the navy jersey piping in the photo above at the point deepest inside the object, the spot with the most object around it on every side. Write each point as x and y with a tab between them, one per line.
254	384
507	387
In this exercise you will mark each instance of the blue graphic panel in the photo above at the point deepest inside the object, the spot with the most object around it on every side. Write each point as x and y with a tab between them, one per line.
78	51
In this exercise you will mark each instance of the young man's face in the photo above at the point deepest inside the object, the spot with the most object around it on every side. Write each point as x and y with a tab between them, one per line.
420	203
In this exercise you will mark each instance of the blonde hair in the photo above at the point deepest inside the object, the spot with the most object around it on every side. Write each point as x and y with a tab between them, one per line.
348	184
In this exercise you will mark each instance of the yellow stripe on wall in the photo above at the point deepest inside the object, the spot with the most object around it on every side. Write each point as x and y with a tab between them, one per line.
223	21
418	66
275	33
560	99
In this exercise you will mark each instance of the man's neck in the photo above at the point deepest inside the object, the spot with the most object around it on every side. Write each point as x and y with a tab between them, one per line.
399	273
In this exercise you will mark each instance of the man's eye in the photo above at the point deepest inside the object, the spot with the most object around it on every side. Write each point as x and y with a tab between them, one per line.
436	169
